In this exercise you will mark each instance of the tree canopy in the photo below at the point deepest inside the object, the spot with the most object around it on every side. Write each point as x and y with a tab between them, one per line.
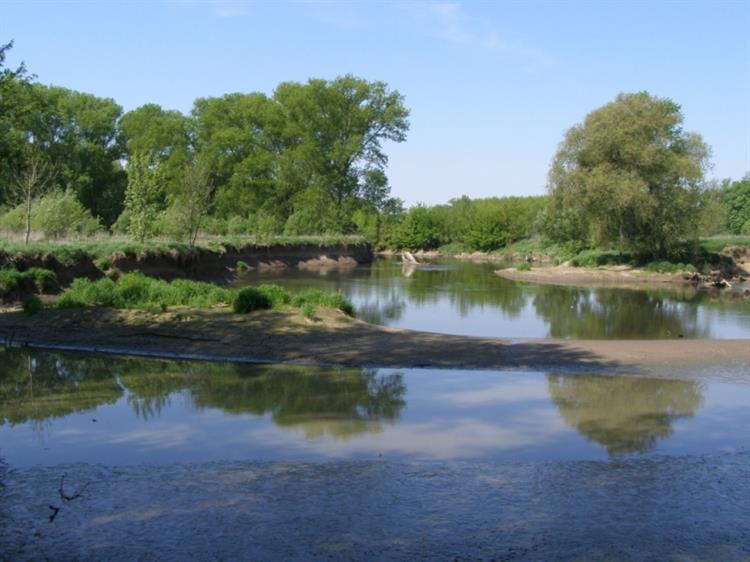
629	175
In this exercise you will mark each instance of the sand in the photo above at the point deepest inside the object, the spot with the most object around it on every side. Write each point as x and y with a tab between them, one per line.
336	339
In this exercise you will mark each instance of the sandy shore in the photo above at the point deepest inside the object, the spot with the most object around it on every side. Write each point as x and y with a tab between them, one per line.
611	276
335	339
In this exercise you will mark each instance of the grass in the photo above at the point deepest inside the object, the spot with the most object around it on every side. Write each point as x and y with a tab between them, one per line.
12	280
136	291
523	267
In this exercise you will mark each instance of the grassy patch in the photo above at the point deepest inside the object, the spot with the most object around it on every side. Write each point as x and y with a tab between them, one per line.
668	267
13	280
718	243
524	267
135	290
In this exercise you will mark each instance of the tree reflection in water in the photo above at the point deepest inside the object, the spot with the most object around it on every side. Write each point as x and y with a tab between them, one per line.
623	414
36	386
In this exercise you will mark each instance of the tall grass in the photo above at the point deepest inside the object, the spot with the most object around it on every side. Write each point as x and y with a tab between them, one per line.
136	291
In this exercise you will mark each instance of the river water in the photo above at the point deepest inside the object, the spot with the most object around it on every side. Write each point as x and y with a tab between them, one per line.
459	297
176	460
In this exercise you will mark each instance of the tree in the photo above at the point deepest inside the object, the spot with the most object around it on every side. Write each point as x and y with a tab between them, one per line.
31	183
629	175
334	134
166	135
193	201
144	196
737	201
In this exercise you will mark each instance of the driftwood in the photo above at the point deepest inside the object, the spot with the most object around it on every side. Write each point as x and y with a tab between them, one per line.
408	257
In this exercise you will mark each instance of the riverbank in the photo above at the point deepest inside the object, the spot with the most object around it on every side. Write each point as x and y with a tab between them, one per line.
332	338
219	263
623	276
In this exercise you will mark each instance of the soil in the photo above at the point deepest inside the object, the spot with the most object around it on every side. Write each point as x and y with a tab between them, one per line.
333	338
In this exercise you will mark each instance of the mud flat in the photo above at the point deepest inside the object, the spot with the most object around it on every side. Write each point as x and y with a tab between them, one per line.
333	338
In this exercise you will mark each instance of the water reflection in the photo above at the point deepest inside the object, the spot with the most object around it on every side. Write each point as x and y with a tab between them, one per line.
337	402
624	414
468	298
97	409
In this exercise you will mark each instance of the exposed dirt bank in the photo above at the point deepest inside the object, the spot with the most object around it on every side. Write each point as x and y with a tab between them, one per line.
335	339
199	263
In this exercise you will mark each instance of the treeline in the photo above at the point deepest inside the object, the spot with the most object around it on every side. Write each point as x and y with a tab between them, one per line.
310	159
307	159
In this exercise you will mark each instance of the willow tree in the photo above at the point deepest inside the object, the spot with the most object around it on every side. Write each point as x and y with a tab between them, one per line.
629	176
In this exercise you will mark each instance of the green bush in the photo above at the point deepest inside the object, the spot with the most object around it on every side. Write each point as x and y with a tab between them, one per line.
308	310
524	267
31	304
323	298
250	299
60	214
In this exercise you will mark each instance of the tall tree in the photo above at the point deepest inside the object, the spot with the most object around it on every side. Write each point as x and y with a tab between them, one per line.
144	197
630	175
164	134
335	132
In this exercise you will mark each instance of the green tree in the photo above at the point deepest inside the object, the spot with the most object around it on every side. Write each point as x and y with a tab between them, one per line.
335	131
166	135
191	203
144	197
419	230
737	202
630	175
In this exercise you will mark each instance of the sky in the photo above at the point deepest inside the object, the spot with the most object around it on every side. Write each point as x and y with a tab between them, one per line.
491	86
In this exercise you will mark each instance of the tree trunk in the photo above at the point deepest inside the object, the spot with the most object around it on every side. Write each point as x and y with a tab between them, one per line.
28	218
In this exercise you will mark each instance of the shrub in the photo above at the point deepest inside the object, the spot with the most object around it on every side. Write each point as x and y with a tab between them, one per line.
323	298
278	296
31	304
61	214
250	299
308	310
524	267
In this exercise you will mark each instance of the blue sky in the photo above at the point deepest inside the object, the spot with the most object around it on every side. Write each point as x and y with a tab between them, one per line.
491	87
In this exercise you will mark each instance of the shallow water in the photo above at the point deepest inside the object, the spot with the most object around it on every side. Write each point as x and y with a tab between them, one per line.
219	460
459	297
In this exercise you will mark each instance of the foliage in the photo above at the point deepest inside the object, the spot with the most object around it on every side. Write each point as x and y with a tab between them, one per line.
137	291
738	207
323	298
192	201
629	175
31	304
11	279
144	196
60	214
250	299
420	229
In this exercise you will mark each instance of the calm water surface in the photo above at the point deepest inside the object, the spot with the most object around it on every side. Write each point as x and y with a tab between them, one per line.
206	460
459	297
